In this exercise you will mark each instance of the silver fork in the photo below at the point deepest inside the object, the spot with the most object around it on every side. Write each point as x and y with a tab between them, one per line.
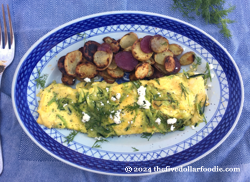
6	57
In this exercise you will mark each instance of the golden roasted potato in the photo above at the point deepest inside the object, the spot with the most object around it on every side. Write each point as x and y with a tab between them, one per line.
128	49
106	76
160	57
110	60
137	52
169	64
71	61
113	65
187	58
68	80
176	49
159	43
160	68
150	61
150	71
128	40
101	59
115	46
86	70
116	73
142	70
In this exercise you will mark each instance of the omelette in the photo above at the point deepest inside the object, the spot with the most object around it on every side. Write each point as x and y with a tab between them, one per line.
147	106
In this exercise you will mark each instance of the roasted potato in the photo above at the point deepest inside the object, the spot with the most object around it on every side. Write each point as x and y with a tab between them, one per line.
128	40
126	61
137	52
176	49
157	74
115	46
60	64
150	71
71	61
86	70
128	49
112	66
145	44
187	58
159	43
132	77
159	58
177	66
110	60
169	64
150	61
104	47
101	59
68	80
116	73
161	68
106	76
89	49
142	70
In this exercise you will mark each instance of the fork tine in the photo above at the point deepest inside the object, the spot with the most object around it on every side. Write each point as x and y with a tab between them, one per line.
10	25
5	29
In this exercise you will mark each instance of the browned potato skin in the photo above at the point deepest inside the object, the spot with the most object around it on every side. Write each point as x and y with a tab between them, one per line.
132	77
71	61
137	52
142	70
160	68
176	49
60	64
86	70
159	43
68	80
169	64
89	50
150	61
110	60
113	65
150	71
128	40
106	76
115	46
187	58
160	57
101	59
116	73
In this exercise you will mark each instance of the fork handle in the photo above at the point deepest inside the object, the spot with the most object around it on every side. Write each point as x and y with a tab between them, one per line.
1	155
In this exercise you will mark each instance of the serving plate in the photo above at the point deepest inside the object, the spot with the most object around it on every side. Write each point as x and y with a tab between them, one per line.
174	149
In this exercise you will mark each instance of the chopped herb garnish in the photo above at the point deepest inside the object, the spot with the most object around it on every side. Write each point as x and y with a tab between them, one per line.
84	35
95	145
41	80
165	43
197	63
135	149
207	73
71	136
131	107
157	81
146	135
183	90
137	83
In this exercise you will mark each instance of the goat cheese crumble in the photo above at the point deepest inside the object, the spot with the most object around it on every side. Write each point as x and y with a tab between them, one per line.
87	80
158	120
142	100
85	117
172	128
172	121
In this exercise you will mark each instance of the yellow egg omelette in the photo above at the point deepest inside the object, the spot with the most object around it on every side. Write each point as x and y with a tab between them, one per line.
147	106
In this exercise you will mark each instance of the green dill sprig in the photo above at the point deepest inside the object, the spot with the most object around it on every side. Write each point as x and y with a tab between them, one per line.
146	135
95	145
157	81
84	35
207	73
135	149
71	136
41	80
196	63
183	90
132	107
212	11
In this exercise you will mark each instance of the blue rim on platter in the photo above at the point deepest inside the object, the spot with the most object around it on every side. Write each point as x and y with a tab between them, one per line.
44	49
